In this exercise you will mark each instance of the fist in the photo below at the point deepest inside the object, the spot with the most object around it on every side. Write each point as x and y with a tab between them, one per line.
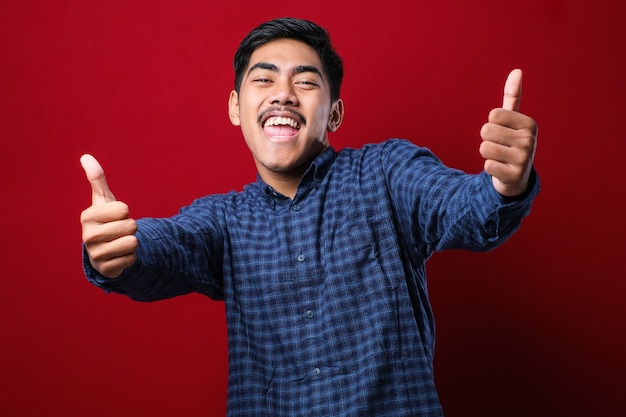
509	141
107	231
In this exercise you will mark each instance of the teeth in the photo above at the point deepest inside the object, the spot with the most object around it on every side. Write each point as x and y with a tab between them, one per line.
277	121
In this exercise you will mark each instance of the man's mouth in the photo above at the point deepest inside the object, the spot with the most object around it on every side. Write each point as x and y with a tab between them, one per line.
280	126
281	121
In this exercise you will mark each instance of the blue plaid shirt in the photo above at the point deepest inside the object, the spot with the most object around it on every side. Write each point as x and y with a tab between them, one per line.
326	299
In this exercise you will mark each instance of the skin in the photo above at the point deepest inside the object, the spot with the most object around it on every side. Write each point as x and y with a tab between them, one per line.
285	78
509	141
108	232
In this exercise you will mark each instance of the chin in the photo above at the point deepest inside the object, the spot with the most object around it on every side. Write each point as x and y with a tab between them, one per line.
283	167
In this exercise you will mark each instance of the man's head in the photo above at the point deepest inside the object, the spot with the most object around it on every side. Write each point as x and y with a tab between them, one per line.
289	28
284	102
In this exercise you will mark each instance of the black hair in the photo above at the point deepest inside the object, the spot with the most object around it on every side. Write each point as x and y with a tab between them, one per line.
298	29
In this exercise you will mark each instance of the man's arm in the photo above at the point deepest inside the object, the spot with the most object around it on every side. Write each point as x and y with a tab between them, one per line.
175	257
442	208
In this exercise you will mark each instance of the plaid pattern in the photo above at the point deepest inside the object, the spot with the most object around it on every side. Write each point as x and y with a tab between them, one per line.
325	294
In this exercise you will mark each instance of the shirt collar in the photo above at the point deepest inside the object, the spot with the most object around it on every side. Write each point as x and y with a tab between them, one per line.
314	174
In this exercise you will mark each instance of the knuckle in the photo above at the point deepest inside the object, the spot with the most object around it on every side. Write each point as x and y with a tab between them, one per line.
134	242
122	209
488	149
526	142
489	166
129	243
516	172
88	235
110	271
87	215
482	148
490	131
96	254
484	130
116	209
531	125
132	226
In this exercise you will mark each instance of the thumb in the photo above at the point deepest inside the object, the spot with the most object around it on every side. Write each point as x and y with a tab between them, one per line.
100	192
513	91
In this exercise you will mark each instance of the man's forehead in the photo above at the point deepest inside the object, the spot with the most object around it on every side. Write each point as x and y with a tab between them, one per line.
285	53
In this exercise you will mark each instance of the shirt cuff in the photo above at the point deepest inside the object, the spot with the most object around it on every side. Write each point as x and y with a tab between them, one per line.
121	284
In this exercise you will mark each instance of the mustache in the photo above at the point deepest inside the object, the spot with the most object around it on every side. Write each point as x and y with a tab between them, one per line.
299	117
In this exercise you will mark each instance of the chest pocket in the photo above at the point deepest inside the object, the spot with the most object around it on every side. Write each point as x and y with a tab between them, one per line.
360	245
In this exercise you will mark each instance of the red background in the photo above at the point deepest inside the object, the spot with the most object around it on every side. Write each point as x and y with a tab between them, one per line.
535	328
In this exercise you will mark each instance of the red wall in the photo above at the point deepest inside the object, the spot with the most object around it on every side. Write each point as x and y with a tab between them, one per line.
535	328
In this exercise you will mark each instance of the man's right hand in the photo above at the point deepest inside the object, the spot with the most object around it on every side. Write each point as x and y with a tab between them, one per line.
108	232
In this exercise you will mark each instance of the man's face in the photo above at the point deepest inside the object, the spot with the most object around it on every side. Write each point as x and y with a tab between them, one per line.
284	108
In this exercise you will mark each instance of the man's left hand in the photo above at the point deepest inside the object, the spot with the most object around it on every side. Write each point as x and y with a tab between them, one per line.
509	141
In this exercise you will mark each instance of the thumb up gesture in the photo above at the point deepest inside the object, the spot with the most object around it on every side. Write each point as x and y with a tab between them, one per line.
509	141
108	232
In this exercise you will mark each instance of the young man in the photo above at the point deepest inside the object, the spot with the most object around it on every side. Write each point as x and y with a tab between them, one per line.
320	262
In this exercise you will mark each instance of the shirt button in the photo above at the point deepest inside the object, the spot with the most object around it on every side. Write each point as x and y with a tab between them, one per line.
300	258
296	207
316	371
310	314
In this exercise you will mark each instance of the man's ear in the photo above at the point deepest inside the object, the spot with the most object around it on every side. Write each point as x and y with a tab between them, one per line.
336	116
233	108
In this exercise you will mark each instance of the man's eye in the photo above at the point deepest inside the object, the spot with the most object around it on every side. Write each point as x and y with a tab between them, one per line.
306	83
262	80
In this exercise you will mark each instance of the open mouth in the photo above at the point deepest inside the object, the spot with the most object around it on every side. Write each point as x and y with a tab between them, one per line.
281	123
280	126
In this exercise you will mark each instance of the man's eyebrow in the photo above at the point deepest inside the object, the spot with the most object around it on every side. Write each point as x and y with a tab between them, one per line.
307	68
297	70
264	66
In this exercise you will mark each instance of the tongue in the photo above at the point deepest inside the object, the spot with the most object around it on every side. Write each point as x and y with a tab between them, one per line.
280	131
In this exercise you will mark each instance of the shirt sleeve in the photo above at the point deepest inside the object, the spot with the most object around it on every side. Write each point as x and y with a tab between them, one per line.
442	208
175	256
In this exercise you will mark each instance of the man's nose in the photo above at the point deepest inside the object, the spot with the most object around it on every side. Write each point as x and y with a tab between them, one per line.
284	94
